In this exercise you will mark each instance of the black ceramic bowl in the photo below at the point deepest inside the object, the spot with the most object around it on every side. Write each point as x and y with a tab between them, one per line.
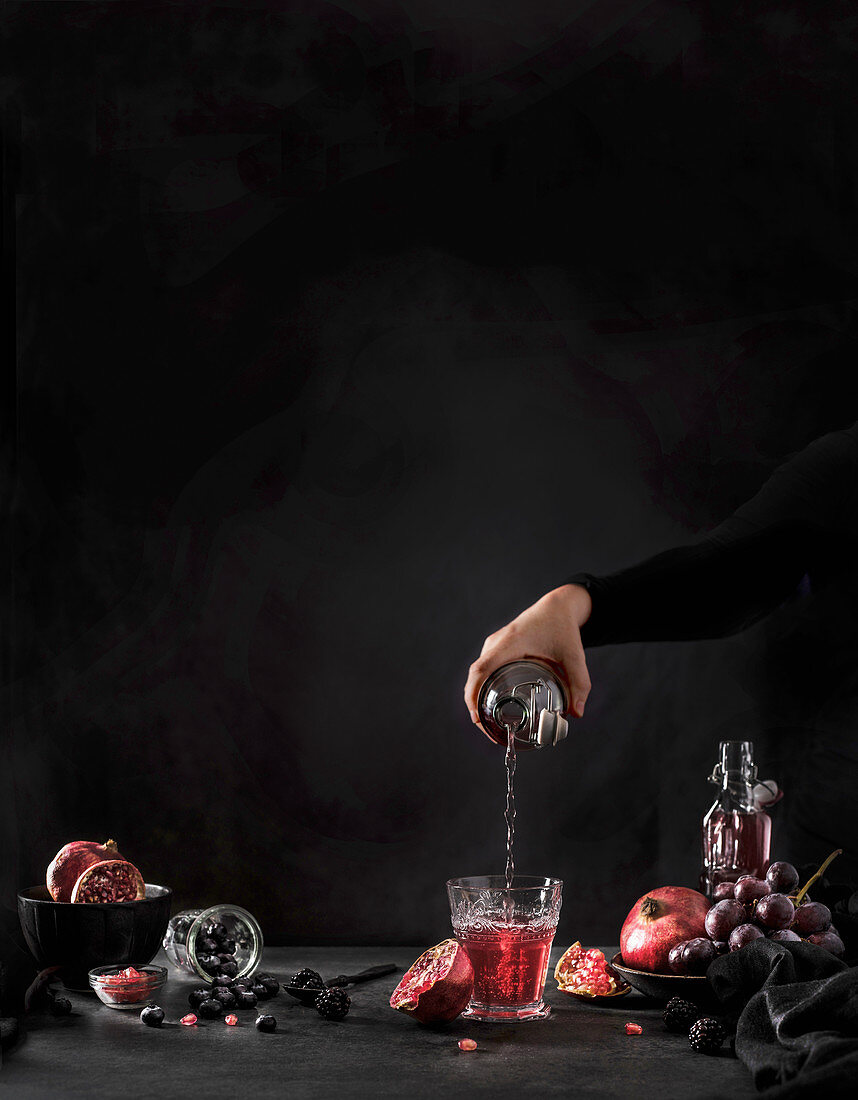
661	987
78	937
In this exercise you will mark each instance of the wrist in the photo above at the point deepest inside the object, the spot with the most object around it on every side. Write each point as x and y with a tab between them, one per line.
575	601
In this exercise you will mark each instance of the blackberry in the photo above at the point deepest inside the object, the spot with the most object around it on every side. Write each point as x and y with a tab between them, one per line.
197	996
210	1009
245	999
152	1015
307	979
266	1023
679	1015
61	1006
333	1004
707	1035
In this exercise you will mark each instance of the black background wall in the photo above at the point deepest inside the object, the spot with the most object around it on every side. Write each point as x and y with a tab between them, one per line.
344	332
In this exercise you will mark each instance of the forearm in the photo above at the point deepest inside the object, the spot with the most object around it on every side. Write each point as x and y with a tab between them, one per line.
705	590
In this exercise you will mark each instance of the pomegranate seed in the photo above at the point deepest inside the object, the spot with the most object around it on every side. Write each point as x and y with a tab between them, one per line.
188	1020
634	1029
231	1019
467	1044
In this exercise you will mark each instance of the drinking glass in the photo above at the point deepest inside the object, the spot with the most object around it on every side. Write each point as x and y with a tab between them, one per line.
507	933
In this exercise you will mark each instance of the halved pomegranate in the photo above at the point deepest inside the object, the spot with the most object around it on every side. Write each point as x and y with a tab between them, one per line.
110	880
437	987
586	973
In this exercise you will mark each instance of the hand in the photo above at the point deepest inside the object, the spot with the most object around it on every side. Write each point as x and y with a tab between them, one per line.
550	629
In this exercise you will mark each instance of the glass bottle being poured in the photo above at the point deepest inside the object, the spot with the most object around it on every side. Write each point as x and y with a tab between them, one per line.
527	699
737	832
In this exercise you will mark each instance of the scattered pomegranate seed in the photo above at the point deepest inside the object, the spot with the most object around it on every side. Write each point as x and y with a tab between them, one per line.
467	1044
188	1020
634	1029
231	1019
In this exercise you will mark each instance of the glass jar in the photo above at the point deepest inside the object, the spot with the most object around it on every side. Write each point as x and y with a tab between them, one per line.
227	926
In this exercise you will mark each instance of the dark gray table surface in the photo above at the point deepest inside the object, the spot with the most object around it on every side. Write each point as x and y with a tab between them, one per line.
580	1050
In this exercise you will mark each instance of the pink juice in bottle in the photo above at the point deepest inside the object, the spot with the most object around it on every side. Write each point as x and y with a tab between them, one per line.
735	844
736	834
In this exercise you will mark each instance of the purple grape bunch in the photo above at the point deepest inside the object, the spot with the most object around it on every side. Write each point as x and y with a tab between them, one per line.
754	908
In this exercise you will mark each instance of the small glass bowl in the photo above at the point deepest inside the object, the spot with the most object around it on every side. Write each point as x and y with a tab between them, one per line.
116	989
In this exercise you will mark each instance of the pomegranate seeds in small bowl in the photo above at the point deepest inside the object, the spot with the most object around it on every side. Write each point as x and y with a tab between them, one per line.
126	987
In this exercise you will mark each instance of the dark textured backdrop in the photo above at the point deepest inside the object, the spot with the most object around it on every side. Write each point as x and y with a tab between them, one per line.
345	331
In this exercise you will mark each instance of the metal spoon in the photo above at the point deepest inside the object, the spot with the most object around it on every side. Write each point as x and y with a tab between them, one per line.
307	996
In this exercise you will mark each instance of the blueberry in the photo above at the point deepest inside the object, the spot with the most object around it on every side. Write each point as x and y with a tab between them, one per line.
228	945
210	1009
209	963
245	999
206	945
225	996
216	930
229	968
270	983
261	992
222	981
197	996
152	1016
266	1023
61	1006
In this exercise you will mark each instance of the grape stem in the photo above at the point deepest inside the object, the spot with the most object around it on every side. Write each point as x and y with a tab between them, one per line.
800	895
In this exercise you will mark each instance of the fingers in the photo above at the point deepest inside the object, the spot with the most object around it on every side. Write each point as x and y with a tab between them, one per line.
472	687
578	675
477	673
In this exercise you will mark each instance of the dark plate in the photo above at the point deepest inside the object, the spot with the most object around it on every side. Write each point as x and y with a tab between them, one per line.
608	1000
80	937
661	987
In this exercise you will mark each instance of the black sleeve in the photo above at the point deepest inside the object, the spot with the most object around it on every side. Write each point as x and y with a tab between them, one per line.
797	525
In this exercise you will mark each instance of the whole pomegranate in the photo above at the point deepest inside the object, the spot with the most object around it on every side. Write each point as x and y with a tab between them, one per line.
437	987
657	922
72	860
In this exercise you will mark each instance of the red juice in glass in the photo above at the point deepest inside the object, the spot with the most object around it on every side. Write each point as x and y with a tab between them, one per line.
510	966
507	932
